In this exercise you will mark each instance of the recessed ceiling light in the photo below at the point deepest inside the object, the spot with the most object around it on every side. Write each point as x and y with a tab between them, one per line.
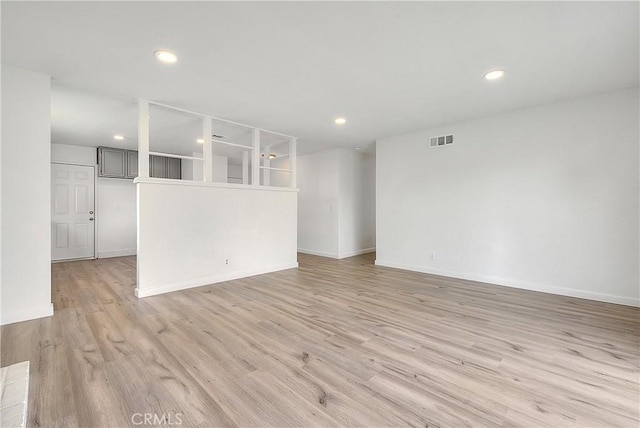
200	141
493	75
166	56
118	137
340	121
356	148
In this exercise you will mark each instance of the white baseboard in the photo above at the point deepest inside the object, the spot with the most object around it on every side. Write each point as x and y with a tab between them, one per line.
569	292
318	253
213	279
337	256
29	314
116	253
356	253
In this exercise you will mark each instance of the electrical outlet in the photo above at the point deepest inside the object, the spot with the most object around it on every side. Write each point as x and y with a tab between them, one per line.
226	261
433	255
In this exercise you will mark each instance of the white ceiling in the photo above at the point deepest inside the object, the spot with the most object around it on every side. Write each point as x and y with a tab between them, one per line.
388	67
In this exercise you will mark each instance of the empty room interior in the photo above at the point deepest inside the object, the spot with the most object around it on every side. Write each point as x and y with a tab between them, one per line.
320	214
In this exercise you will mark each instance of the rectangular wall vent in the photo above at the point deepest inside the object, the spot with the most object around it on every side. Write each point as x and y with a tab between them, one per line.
441	141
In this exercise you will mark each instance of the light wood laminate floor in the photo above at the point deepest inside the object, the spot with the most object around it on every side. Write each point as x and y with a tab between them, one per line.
333	343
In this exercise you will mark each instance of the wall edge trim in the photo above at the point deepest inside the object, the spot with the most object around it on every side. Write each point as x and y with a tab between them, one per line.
559	291
30	314
212	279
318	253
117	253
356	252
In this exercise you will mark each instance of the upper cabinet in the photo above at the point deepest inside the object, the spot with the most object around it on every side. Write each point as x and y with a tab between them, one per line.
121	163
157	166
174	168
112	162
163	167
132	164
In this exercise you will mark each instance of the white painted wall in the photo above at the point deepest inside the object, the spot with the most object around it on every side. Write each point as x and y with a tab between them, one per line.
318	181
117	217
189	169
336	203
77	155
193	170
255	229
544	198
356	223
116	203
280	178
220	169
234	173
25	286
1	204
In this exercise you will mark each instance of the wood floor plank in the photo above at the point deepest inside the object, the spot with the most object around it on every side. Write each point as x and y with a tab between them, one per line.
332	343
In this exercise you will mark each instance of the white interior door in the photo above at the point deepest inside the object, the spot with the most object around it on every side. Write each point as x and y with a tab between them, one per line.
72	212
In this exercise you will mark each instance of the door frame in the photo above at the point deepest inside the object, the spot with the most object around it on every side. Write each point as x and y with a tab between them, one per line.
95	210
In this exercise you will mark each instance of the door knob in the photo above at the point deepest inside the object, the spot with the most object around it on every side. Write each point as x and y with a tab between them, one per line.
90	212
90	218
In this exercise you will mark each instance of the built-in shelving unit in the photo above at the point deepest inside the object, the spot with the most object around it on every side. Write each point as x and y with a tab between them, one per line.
256	166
